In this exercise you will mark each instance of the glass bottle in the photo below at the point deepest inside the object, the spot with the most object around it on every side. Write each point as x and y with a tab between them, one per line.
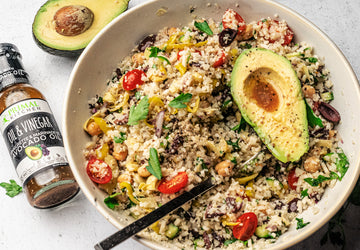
32	136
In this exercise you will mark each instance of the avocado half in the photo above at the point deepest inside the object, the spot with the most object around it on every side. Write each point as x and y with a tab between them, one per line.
33	152
268	93
47	38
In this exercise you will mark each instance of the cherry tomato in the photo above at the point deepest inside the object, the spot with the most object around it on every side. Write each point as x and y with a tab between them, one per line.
98	171
289	34
220	61
174	185
292	179
132	79
246	227
231	19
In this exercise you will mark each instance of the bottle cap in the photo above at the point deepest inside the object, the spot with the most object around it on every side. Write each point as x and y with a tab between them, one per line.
11	69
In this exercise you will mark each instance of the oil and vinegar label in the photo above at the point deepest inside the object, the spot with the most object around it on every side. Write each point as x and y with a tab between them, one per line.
32	137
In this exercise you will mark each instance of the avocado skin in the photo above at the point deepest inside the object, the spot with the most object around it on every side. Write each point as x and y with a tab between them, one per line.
247	64
57	52
71	53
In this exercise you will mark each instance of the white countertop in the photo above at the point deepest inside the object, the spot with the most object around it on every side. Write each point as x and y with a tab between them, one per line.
79	225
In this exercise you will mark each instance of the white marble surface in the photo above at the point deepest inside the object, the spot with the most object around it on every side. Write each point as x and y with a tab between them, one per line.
79	225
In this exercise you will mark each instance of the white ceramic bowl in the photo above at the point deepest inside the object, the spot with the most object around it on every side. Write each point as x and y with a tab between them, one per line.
100	58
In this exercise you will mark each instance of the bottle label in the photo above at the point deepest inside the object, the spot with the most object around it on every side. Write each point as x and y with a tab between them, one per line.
32	137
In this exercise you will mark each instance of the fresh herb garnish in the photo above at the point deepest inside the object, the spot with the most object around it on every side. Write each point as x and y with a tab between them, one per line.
139	112
304	194
154	53
201	161
111	201
100	100
246	46
320	179
154	164
203	27
12	188
312	59
342	165
240	126
121	138
228	242
138	95
233	160
311	117
300	223
226	103
179	102
264	20
235	145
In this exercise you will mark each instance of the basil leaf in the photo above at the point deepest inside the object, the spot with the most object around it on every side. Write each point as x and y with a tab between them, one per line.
154	164
179	102
300	223
120	139
139	112
342	165
304	194
12	188
203	27
111	202
312	118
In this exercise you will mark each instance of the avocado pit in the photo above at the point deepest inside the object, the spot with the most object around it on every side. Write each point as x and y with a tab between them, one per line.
73	20
259	89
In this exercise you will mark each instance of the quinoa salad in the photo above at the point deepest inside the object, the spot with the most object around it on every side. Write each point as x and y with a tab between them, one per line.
167	121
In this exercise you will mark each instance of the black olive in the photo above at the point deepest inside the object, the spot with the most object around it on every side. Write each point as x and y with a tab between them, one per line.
227	36
329	112
147	42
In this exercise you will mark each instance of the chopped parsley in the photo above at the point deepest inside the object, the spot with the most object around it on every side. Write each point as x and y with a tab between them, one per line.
100	100
320	179
228	242
240	126
233	160
111	201
179	102
304	194
203	27
300	223
121	138
312	118
235	145
12	188
342	165
154	53
139	112
201	161
312	59
154	164
226	103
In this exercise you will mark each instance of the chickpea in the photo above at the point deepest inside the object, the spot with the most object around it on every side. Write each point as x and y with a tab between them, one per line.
224	168
138	58
312	164
309	91
125	177
93	129
143	172
172	31
120	152
247	34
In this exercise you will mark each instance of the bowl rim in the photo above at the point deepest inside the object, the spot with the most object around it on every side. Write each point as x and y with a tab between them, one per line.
153	244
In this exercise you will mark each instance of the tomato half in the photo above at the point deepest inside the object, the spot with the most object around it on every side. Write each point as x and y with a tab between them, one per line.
232	20
98	171
133	78
292	179
246	227
174	185
220	61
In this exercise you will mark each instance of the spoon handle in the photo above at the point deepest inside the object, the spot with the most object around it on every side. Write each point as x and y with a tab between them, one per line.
154	216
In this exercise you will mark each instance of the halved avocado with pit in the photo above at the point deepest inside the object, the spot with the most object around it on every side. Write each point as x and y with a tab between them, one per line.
268	93
65	27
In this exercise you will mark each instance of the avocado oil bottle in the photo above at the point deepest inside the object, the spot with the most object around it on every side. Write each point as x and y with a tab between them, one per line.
32	136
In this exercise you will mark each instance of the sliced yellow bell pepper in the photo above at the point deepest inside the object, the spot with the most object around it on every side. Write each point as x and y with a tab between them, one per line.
122	104
102	152
196	106
102	124
244	180
155	227
182	69
130	191
249	189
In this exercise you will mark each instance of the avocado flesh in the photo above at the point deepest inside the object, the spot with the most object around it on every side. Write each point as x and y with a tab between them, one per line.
34	153
268	93
48	39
